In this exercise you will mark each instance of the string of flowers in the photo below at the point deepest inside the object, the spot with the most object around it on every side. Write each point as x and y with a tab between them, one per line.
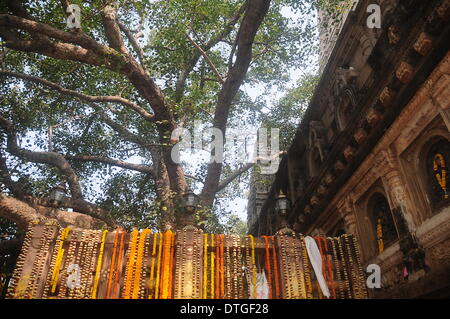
217	274
130	265
275	268
324	271
212	266
158	266
152	267
269	274
380	236
111	268
205	265
59	258
172	249
140	253
441	178
252	243
165	277
330	269
222	267
119	261
99	266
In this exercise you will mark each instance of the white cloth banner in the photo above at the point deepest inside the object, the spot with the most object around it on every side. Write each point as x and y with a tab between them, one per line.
316	261
262	287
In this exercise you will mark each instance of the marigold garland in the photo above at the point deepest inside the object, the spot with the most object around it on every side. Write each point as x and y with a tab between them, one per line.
131	262
441	178
59	258
252	243
165	277
172	249
111	268
158	266
275	268
217	261
324	273
152	267
222	266
205	265
99	266
138	264
119	263
330	269
212	266
269	273
380	236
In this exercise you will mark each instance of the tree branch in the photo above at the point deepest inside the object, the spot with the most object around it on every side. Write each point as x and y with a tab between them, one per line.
224	183
134	43
87	98
252	20
142	168
189	65
206	57
112	31
50	158
23	214
5	177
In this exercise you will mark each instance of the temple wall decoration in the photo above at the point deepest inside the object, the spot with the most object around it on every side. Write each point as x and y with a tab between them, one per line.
64	263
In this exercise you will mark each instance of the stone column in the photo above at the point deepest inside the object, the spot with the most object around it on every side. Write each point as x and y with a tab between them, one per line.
346	212
395	188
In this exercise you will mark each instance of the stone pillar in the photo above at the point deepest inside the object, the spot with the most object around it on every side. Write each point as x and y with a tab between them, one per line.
395	188
346	212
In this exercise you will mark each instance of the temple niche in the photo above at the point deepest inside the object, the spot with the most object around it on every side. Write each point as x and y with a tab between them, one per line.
384	105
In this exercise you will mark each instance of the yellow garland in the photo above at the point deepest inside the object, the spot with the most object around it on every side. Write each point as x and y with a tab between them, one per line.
158	268
166	266
99	266
212	266
152	268
380	236
442	180
252	243
59	258
140	253
129	275
205	265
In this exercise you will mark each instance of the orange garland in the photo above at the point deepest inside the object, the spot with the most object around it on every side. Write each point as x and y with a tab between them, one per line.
269	275
158	268
131	264
441	179
138	265
111	268
165	276
171	266
119	260
212	266
275	268
152	267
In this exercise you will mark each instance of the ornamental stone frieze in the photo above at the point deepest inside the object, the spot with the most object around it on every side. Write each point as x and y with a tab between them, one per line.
435	229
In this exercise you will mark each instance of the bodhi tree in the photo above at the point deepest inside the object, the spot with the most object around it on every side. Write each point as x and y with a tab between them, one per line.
94	107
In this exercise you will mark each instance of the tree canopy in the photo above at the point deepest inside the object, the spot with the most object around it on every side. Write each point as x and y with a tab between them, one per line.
95	106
